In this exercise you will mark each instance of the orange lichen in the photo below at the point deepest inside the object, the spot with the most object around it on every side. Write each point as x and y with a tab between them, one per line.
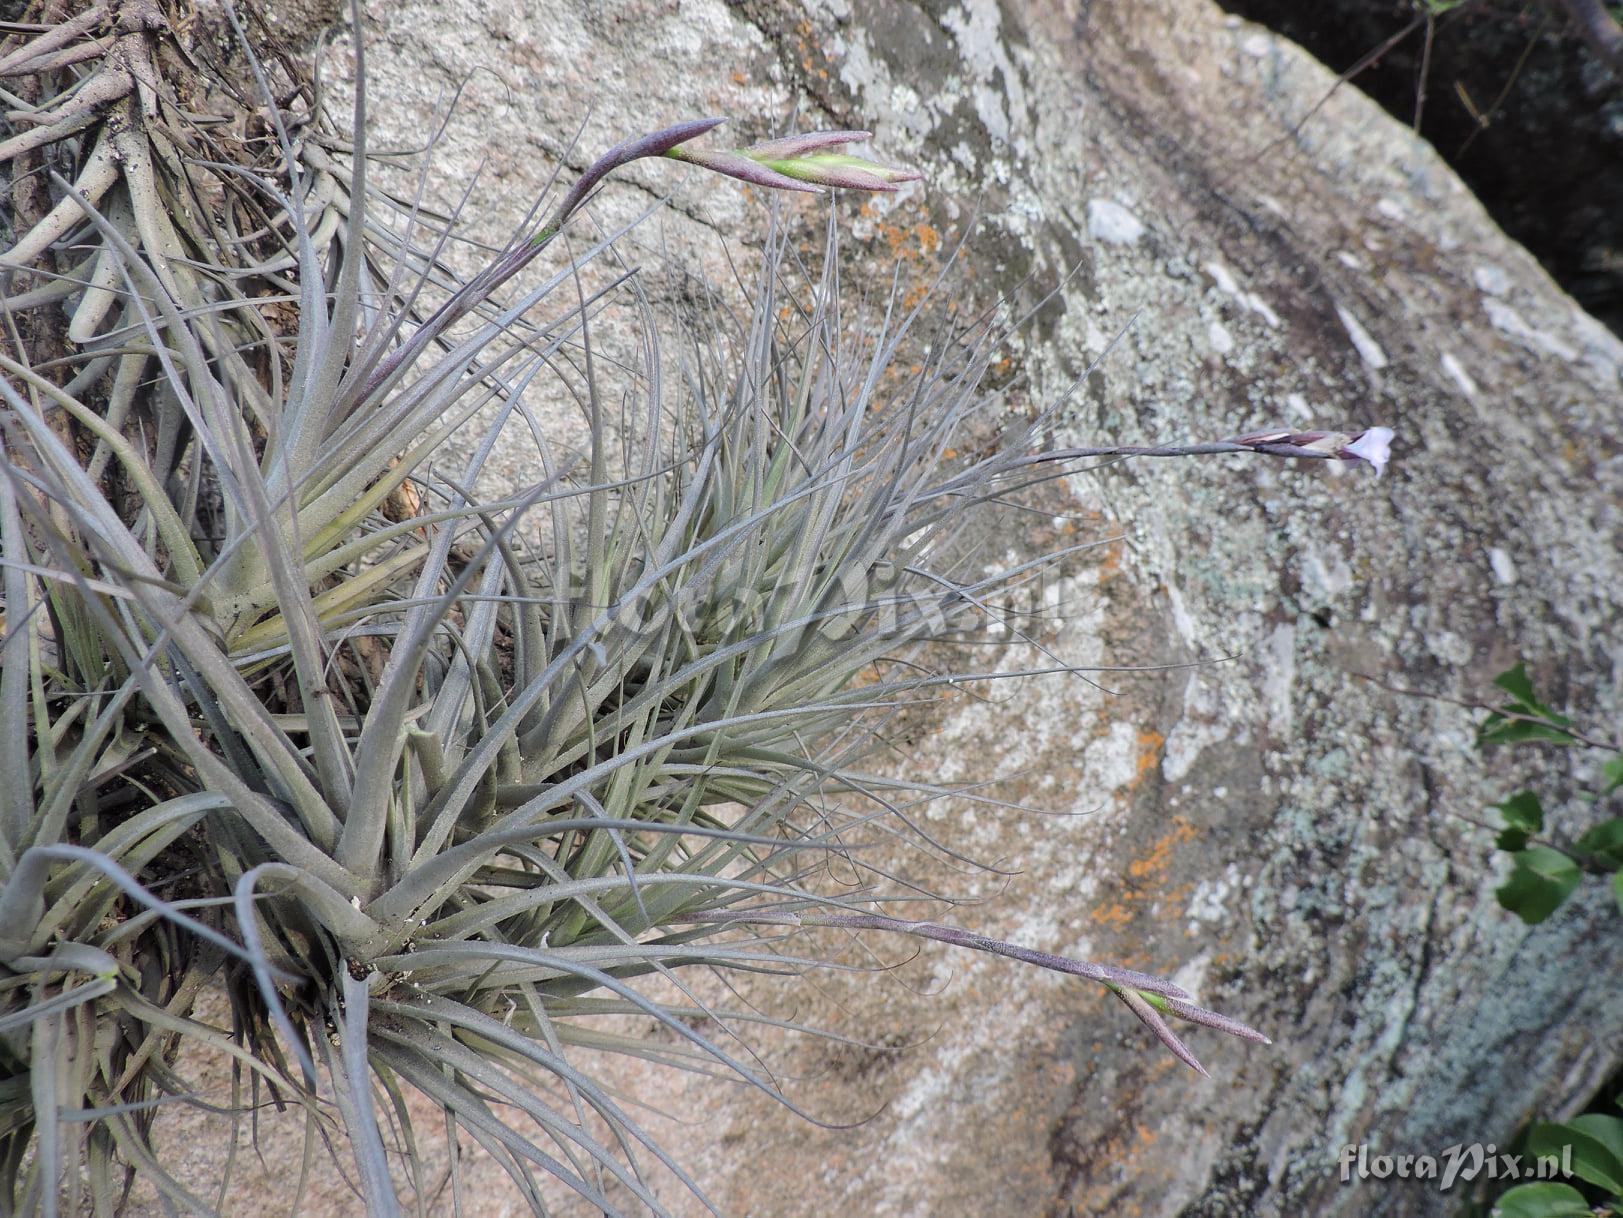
1150	744
1146	874
1110	564
1115	915
1159	857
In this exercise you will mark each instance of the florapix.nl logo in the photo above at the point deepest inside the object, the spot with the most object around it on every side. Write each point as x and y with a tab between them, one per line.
1457	1164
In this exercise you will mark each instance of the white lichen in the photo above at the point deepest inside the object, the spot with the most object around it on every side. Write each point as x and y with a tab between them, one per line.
1110	222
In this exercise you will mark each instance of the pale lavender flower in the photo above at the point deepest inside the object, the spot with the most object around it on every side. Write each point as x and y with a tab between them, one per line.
1373	444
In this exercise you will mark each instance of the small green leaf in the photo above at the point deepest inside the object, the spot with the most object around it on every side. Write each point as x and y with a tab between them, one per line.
1522	811
1597	1147
1496	729
1612	771
1544	1200
1542	879
1617	890
1604	843
1516	683
1512	840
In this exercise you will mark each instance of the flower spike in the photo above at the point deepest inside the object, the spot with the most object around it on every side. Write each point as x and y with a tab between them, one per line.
803	162
1373	444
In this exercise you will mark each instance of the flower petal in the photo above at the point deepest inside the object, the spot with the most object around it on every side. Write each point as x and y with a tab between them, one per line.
853	177
800	162
740	167
799	145
1373	445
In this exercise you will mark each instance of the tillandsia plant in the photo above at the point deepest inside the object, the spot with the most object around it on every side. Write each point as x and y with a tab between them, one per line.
427	807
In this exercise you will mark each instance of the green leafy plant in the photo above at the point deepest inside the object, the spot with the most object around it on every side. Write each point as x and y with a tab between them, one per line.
1546	872
1546	869
435	794
1590	1148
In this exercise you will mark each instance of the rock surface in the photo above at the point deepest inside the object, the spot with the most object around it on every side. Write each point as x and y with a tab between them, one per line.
1299	846
1520	105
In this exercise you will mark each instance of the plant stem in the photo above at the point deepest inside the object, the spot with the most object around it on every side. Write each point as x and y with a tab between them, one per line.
1105	973
504	268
